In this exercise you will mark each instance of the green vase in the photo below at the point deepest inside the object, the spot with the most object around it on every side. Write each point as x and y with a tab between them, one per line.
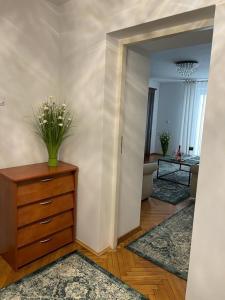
165	147
53	158
52	162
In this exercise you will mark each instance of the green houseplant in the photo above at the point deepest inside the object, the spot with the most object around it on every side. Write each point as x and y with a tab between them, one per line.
164	140
52	122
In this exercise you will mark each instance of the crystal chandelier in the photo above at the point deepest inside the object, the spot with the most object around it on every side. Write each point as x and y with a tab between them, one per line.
186	67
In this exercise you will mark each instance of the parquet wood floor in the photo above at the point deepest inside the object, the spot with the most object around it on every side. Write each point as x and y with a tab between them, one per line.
149	279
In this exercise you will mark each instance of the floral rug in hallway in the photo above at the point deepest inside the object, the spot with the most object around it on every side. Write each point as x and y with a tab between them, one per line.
167	191
72	277
168	244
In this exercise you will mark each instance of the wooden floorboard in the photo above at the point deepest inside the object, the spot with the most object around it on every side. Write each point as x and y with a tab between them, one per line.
149	279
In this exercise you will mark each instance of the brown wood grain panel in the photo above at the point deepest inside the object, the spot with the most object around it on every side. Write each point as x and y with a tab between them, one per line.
44	208
36	201
43	228
46	245
28	172
42	188
8	220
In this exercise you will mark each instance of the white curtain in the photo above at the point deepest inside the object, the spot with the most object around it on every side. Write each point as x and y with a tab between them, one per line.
192	117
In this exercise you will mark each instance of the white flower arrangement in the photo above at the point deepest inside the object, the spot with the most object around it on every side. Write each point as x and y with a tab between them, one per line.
165	137
164	140
52	123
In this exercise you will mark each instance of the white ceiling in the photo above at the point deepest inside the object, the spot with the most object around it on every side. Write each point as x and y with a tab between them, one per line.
162	63
189	46
58	2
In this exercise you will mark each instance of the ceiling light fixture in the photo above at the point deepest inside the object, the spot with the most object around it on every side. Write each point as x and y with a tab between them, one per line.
186	67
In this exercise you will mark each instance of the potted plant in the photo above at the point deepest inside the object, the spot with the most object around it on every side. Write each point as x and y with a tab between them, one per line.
52	122
164	140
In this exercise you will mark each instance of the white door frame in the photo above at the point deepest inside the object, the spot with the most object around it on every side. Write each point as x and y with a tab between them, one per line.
196	20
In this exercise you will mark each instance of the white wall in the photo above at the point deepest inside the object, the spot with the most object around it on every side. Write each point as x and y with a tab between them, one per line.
83	45
29	52
170	109
29	71
156	85
85	24
207	261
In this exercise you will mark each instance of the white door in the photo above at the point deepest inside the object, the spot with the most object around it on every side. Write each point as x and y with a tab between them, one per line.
134	123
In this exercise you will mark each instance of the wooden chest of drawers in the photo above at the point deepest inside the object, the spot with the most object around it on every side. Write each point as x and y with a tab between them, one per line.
37	211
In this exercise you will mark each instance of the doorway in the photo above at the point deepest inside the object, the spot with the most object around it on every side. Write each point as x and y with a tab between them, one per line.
208	188
179	113
117	55
133	139
149	122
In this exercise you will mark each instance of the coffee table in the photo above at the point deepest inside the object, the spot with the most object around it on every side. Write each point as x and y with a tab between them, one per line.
188	161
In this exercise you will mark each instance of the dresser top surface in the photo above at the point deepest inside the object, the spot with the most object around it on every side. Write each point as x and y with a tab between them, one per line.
28	172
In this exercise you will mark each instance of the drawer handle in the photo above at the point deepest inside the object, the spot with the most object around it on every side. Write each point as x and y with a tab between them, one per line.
45	241
46	221
47	179
46	202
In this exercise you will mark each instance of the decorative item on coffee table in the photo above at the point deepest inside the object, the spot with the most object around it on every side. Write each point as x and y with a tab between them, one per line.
52	122
178	154
164	140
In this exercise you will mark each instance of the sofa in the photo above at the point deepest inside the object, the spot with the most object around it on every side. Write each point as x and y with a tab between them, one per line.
147	185
194	180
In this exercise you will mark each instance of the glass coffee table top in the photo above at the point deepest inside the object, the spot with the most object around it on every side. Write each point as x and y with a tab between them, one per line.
186	160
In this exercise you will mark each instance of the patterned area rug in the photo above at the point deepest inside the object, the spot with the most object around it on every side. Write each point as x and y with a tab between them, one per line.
168	191
168	244
72	277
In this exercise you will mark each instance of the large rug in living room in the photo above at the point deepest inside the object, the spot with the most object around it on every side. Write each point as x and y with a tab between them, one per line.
168	244
169	191
72	277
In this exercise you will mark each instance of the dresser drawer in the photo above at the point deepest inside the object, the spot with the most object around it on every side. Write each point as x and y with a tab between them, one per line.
44	209
34	251
42	188
36	231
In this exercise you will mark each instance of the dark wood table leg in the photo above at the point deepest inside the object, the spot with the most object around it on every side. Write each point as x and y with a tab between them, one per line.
189	179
